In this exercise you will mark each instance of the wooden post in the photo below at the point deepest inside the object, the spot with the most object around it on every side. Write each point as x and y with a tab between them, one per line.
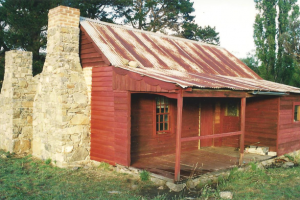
243	119
178	135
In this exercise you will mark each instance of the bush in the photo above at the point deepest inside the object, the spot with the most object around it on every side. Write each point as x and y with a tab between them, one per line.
48	161
144	175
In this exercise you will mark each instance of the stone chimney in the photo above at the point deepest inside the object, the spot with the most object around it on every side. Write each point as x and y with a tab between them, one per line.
61	125
63	30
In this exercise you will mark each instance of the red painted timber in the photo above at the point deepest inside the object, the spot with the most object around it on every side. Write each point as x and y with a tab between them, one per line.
178	136
288	130
215	93
207	122
211	136
242	136
262	121
122	127
102	120
126	80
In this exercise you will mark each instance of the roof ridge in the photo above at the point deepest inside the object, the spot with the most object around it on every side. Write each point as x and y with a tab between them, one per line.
148	32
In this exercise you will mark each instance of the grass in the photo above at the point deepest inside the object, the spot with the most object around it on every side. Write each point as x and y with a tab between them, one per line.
144	175
30	178
271	183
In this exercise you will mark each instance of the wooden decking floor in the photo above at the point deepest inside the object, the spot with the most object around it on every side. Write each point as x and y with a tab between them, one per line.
195	163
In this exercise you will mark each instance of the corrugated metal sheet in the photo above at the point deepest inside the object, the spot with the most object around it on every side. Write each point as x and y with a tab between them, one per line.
176	60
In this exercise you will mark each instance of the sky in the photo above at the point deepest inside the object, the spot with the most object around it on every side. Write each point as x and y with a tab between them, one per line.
233	20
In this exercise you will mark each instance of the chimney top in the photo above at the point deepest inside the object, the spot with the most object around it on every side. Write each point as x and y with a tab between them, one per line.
63	16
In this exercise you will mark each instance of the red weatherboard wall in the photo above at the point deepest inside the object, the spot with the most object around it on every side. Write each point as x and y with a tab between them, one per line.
102	116
230	124
144	142
89	56
207	121
110	123
261	121
289	131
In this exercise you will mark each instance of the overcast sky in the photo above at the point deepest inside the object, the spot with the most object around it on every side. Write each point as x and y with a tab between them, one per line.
234	21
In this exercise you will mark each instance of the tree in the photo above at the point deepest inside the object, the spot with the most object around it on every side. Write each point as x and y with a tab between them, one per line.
155	15
291	44
271	24
193	31
265	36
252	62
95	9
285	64
25	25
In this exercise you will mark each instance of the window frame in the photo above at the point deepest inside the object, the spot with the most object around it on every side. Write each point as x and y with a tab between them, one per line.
293	115
170	124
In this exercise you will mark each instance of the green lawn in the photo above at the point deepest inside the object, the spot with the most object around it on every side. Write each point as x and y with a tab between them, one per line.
29	178
271	183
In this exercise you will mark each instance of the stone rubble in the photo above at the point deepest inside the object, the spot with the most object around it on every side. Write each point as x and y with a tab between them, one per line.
226	195
288	165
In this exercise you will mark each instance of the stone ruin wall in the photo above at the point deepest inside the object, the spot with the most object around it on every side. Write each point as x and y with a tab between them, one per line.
49	115
16	102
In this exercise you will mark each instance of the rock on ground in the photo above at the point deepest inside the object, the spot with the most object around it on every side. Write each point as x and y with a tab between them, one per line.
226	195
175	187
288	164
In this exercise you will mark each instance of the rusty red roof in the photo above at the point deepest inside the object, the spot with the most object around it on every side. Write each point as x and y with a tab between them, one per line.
184	62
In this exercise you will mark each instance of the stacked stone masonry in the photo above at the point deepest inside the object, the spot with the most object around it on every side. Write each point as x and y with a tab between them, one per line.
16	102
61	113
48	115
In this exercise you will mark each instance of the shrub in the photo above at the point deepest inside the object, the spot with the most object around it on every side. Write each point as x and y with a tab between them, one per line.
144	175
48	161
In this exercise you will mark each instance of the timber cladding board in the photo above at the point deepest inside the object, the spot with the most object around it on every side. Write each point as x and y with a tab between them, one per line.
90	56
110	119
227	124
289	131
261	121
102	118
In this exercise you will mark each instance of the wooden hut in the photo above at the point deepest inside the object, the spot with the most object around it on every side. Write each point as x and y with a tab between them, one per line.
156	96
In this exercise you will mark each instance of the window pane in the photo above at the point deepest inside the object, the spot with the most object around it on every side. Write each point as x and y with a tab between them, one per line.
232	109
161	127
166	126
166	118
161	117
296	110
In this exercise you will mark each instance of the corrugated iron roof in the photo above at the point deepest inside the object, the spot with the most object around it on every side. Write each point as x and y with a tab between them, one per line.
171	59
